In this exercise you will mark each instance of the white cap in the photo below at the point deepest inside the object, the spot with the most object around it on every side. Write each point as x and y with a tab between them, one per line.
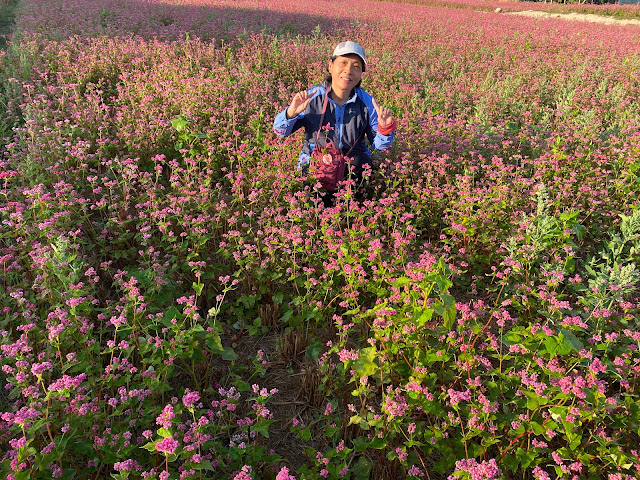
346	48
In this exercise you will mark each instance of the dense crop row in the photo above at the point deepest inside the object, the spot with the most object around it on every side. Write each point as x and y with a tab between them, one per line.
177	303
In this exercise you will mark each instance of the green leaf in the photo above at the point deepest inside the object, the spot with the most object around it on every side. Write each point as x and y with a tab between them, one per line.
197	355
355	419
537	428
314	349
37	425
262	429
511	462
422	315
143	276
215	344
401	282
203	465
378	443
575	443
62	444
443	284
305	434
365	365
449	313
84	447
172	313
286	316
197	328
551	345
511	338
164	433
534	400
564	345
68	474
525	457
362	469
585	458
172	457
558	413
330	431
634	409
151	446
475	449
571	341
179	123
228	354
361	444
570	265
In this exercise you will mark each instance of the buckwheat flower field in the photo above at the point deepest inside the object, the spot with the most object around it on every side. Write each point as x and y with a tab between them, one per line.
177	303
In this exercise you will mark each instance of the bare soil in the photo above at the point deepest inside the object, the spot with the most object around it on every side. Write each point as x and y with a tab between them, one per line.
582	17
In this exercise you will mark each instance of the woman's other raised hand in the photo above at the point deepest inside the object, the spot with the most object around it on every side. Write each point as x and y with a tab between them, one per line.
385	117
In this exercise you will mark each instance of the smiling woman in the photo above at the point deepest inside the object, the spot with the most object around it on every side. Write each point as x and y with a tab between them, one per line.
338	117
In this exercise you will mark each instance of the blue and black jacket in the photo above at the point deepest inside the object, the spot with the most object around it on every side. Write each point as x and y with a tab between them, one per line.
357	118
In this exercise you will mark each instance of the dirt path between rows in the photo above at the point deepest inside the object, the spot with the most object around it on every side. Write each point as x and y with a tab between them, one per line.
583	17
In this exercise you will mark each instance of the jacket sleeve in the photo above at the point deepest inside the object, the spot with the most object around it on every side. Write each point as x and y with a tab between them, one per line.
284	126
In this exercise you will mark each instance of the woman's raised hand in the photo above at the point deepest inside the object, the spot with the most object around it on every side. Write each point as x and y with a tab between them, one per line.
299	102
385	117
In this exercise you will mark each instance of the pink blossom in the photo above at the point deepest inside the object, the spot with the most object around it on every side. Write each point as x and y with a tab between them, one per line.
486	470
190	398
167	445
164	419
283	474
244	473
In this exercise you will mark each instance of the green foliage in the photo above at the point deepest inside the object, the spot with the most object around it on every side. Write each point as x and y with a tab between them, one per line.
476	302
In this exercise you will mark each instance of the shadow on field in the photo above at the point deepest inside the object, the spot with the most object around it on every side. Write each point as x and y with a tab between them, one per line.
7	17
221	24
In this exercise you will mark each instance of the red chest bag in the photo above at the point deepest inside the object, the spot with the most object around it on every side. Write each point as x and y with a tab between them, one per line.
328	163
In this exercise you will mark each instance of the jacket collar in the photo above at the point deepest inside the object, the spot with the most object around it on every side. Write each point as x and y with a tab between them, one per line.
352	96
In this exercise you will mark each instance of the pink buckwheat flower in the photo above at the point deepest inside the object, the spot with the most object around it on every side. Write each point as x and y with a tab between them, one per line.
167	445
244	473
478	471
190	398
164	419
415	471
39	368
283	474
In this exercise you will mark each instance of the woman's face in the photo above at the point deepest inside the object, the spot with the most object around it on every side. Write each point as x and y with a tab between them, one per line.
346	72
